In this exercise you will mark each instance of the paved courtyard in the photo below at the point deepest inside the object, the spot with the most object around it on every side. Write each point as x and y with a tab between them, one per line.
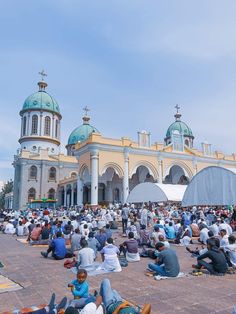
40	277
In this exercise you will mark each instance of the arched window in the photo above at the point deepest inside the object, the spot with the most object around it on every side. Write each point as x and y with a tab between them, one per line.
52	174
47	126
51	194
31	194
24	126
34	129
186	142
73	175
57	129
33	173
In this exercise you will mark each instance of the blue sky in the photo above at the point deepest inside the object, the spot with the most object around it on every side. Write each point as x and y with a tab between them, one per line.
129	61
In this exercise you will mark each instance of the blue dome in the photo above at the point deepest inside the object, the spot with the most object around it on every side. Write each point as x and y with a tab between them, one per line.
41	100
81	133
181	127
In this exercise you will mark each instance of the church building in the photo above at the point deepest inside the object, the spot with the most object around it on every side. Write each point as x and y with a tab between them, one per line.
98	169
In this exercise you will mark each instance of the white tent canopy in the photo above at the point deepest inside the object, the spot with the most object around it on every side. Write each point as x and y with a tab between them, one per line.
156	192
211	186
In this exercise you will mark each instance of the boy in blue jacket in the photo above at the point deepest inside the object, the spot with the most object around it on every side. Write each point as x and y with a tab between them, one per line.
80	290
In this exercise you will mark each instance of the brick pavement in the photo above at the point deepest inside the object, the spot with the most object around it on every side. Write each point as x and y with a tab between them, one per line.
40	277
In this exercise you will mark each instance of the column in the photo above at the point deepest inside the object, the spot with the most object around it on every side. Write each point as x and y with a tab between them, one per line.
53	128
40	123
126	176
21	130
94	177
79	191
28	124
21	186
160	173
72	195
64	196
109	192
195	165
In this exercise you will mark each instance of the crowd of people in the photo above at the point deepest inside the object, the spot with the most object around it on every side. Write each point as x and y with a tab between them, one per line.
86	233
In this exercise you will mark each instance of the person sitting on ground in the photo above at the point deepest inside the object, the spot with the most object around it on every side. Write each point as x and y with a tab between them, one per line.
132	228
86	255
35	233
195	229
230	251
58	248
197	252
112	301
109	257
101	237
225	226
203	234
20	229
68	228
144	236
114	224
218	264
223	238
162	239
166	264
93	243
80	289
130	249
31	226
75	240
170	231
108	231
51	308
215	229
9	228
45	234
85	231
185	238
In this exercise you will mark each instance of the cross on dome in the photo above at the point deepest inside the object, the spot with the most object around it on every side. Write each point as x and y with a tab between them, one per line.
177	108
43	74
86	118
42	84
86	110
177	115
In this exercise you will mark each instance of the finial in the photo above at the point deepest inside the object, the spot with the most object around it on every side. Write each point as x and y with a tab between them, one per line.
42	84
86	110
177	115
177	108
43	74
86	118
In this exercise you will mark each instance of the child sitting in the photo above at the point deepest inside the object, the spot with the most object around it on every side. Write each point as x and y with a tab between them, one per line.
80	289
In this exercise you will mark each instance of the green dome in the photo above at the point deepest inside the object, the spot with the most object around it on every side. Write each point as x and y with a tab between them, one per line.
41	100
181	127
81	133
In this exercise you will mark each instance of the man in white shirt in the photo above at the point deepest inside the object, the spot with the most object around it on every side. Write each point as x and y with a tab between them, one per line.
20	229
230	251
86	255
223	238
9	229
225	226
203	234
215	229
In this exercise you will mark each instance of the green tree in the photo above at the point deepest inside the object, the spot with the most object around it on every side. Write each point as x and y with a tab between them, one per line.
7	188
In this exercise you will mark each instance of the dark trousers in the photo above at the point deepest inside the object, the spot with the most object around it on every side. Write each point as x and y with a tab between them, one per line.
123	249
52	249
124	224
208	266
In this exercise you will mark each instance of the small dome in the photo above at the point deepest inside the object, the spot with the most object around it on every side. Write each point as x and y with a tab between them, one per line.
41	100
81	133
180	127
